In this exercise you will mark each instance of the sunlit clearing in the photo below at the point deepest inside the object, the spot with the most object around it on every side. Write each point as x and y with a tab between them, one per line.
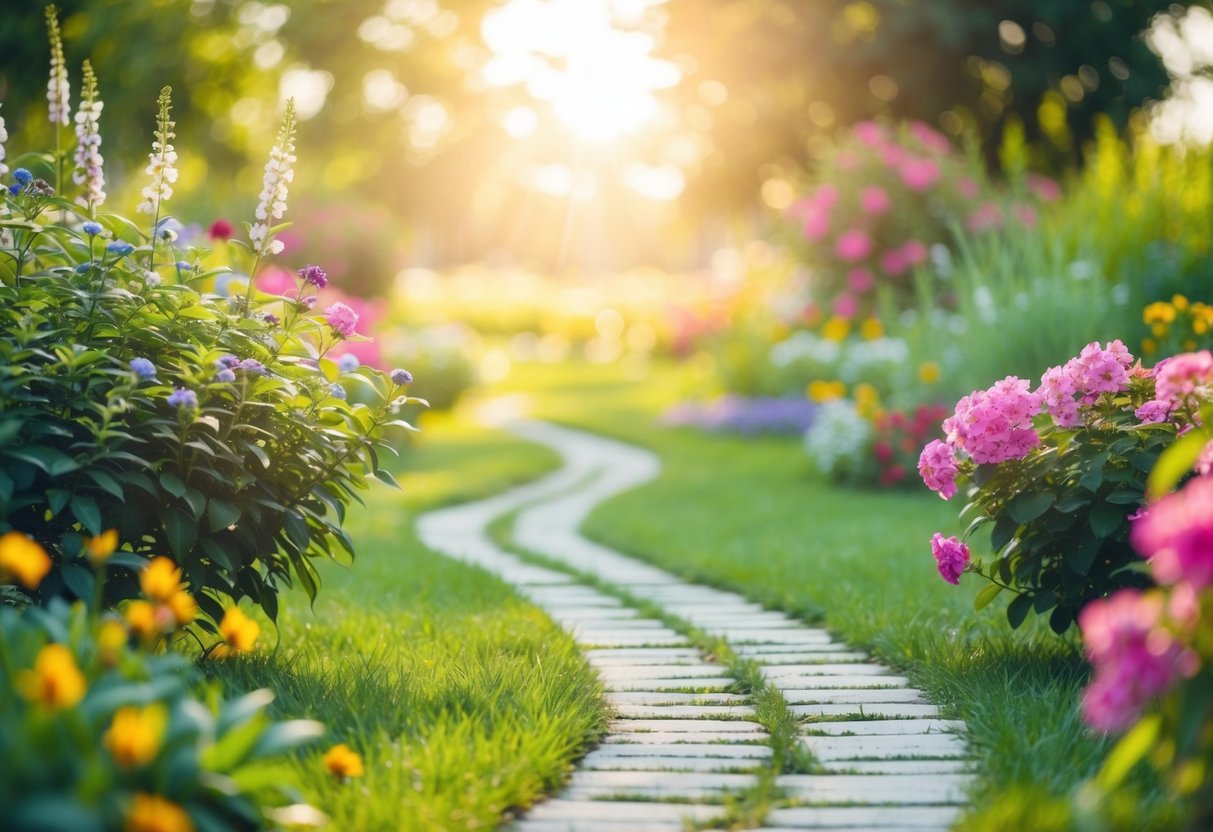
584	59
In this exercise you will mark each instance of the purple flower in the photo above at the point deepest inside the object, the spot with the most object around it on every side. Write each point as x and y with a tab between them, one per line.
227	362
181	397
314	275
337	391
951	557
143	368
271	319
309	302
402	377
225	375
342	319
252	365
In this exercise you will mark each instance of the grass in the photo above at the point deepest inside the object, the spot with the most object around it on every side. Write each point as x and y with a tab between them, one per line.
752	515
463	699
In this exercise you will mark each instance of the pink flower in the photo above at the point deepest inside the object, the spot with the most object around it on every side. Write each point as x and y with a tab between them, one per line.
874	200
937	467
951	557
1026	215
1180	376
1134	657
816	225
869	133
1045	189
1153	411
853	245
995	425
1176	535
1057	390
914	252
342	319
826	197
860	280
1204	463
919	174
988	215
893	262
845	306
930	138
1098	370
967	187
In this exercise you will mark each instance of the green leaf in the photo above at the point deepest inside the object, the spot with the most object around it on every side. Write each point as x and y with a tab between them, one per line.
386	477
1027	506
221	514
86	511
1082	557
1105	519
296	530
986	595
1018	609
1126	496
1176	462
1003	531
180	530
172	483
79	580
106	482
286	736
1132	748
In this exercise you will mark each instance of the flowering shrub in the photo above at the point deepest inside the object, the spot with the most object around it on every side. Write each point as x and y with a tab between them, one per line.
884	200
207	428
897	437
110	737
1056	473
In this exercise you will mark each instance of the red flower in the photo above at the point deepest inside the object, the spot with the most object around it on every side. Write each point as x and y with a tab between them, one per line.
220	230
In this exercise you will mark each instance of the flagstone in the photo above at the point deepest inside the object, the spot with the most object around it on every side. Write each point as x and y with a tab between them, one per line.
621	811
722	764
886	746
677	671
904	789
667	698
685	750
886	726
621	736
808	685
784	671
896	766
891	711
668	783
864	817
850	696
674	726
683	683
682	711
639	653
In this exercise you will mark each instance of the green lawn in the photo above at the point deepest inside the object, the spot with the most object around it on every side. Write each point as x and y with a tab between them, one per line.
463	699
752	515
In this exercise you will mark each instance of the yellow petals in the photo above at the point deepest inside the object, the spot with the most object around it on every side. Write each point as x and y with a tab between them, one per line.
55	682
135	734
141	618
871	329
99	548
1179	302
239	631
820	390
23	559
928	372
111	638
1149	346
1160	312
153	813
160	579
866	399
835	329
184	607
342	761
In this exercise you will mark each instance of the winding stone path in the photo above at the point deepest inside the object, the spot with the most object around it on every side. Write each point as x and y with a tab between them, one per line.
682	740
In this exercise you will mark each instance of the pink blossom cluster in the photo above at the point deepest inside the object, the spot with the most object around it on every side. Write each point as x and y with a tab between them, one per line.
1176	535
1135	657
1082	379
937	467
995	425
1180	383
951	557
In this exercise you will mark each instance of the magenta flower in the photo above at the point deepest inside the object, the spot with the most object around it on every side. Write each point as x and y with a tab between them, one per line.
860	280
853	245
1153	411
1181	375
342	319
314	275
951	557
937	467
893	262
919	174
995	425
1176	535
1057	391
874	200
846	306
1044	188
870	133
915	252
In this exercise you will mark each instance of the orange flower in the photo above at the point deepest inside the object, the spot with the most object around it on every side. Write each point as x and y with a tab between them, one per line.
135	734
160	579
153	813
55	682
110	639
99	548
24	559
184	607
342	762
239	631
141	617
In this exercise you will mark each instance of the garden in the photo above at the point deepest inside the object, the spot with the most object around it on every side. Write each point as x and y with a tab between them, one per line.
589	415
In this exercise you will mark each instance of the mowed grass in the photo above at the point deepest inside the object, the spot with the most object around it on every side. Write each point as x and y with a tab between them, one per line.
463	699
752	515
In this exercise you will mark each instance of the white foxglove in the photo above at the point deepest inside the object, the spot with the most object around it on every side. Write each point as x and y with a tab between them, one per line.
58	90
89	170
162	159
278	174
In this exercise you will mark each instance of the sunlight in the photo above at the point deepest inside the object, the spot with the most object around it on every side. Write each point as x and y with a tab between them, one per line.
586	58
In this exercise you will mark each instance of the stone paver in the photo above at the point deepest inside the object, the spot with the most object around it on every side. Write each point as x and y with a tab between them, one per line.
682	739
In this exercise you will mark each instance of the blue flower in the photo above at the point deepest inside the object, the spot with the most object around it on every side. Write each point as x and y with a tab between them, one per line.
181	397
168	229
91	228
347	362
14	189
402	377
84	268
252	365
23	176
183	266
121	248
143	368
227	362
337	391
225	375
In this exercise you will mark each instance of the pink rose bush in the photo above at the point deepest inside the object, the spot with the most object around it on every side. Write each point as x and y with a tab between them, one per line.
1056	472
886	196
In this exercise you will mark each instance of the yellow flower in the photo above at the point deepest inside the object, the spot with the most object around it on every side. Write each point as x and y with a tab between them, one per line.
239	631
99	548
1149	346
871	329
184	607
820	390
160	579
55	681
1158	312
110	639
1159	330
22	558
135	735
928	372
1179	302
866	398
153	813
141	617
835	329
1200	326
342	761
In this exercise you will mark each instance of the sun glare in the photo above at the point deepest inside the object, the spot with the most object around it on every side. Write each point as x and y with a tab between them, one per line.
587	59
